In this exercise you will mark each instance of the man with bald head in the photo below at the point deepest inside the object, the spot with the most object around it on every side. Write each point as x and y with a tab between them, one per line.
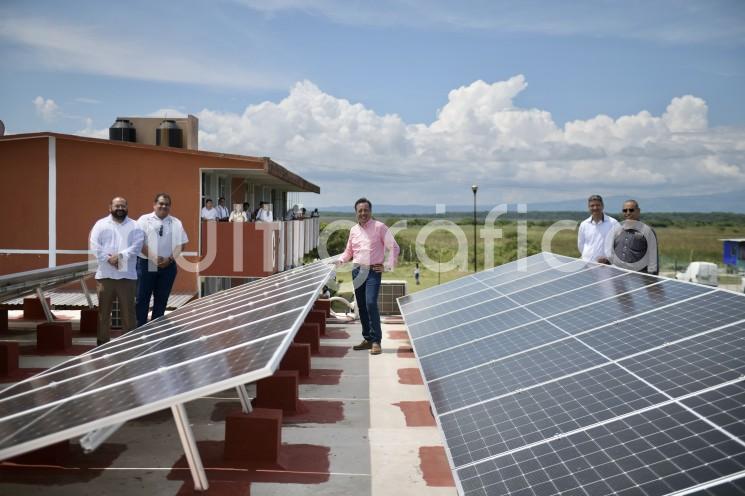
634	242
115	241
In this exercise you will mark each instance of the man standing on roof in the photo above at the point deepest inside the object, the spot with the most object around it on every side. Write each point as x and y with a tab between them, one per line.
156	267
208	211
222	211
264	214
594	230
635	243
115	241
366	246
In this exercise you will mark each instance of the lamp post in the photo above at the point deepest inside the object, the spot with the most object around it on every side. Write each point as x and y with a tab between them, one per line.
474	188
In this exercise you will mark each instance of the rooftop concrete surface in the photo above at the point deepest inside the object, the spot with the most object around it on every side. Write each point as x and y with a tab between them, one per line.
363	428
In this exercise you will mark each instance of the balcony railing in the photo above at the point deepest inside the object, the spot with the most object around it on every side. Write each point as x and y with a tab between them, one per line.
248	249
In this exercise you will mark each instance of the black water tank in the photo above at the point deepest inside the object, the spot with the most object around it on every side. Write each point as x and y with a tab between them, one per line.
122	130
168	134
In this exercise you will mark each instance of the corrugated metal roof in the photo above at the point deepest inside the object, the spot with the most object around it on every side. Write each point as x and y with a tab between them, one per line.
76	300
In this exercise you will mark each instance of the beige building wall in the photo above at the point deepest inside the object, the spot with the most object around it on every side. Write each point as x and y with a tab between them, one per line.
146	127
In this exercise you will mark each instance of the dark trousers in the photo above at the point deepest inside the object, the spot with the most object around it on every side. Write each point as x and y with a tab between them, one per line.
156	283
124	291
366	294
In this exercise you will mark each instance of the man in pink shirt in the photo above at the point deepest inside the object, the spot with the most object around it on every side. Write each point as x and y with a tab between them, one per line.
366	247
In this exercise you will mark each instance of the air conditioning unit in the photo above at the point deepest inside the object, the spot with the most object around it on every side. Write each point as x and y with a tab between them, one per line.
389	292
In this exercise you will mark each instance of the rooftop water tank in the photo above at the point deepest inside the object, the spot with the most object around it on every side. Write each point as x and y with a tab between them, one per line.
123	130
169	134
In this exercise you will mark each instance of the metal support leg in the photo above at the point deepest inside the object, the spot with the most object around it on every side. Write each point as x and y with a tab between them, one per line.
190	448
91	441
245	400
44	306
87	294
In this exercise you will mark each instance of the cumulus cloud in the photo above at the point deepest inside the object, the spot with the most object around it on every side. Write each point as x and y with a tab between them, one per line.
46	108
686	113
91	131
482	134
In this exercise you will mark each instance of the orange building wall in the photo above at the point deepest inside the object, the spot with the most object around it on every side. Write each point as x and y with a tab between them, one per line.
255	241
24	168
89	174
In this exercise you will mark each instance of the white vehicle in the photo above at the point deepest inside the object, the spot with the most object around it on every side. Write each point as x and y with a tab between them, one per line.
700	272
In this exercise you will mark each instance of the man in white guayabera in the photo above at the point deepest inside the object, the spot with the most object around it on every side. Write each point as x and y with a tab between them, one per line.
115	241
594	230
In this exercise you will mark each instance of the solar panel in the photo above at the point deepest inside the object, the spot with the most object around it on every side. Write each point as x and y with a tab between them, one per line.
225	340
556	376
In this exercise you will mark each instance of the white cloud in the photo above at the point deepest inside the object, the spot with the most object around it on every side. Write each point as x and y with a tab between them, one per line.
167	113
70	47
686	113
481	134
92	132
46	108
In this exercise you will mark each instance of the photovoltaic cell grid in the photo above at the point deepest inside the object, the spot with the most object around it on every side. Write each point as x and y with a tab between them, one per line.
230	338
554	376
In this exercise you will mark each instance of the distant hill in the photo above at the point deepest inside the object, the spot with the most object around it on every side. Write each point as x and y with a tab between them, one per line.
733	201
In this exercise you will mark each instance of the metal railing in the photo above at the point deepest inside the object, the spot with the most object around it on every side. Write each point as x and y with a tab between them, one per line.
24	283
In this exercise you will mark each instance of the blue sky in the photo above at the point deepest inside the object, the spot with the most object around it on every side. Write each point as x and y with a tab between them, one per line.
406	102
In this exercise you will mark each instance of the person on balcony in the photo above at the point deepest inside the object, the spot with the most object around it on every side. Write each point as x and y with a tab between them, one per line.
115	241
208	211
264	214
165	238
238	215
247	211
292	213
222	210
366	246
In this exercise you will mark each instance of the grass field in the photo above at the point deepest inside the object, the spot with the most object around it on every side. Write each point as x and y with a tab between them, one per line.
680	243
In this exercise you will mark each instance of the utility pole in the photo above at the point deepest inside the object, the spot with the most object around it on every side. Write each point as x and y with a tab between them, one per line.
474	188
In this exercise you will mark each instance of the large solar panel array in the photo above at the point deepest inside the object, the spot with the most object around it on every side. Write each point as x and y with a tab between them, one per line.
228	339
553	376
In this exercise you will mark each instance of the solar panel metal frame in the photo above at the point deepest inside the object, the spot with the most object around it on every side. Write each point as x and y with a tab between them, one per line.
679	401
170	401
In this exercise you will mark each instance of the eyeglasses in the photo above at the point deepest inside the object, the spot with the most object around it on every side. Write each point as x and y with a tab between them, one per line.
160	204
160	231
628	210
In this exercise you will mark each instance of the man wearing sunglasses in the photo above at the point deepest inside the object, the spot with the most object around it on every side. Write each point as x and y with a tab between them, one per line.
165	238
634	242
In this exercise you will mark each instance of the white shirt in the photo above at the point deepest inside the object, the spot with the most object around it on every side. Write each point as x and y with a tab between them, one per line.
209	214
162	235
111	238
592	235
238	217
222	212
264	216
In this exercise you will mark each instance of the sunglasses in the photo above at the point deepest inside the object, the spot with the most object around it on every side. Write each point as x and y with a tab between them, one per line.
627	210
160	231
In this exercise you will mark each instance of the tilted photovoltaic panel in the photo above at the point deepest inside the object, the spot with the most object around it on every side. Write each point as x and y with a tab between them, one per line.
227	339
555	376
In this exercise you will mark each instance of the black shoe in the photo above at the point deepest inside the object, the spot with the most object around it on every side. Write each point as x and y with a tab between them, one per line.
364	345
